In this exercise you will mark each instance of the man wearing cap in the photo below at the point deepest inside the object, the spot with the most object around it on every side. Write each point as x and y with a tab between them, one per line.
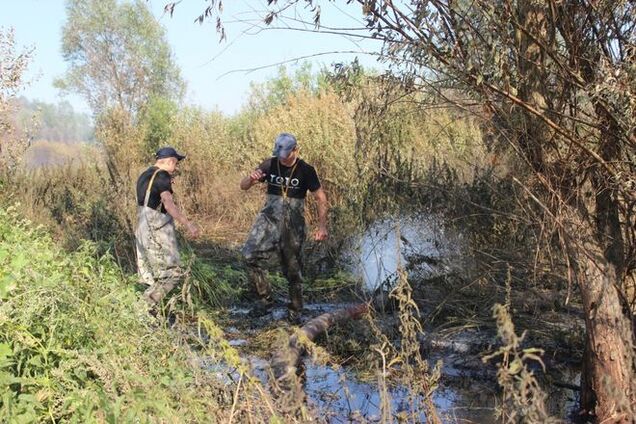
279	229
158	260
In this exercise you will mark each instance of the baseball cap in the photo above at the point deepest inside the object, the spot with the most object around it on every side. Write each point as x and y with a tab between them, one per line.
284	145
168	152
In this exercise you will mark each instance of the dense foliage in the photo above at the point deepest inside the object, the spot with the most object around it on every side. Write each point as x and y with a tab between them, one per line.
77	343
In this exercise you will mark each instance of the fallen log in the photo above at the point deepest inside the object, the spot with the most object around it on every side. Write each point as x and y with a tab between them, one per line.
285	361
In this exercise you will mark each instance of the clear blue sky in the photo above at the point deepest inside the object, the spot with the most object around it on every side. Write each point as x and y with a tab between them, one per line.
211	69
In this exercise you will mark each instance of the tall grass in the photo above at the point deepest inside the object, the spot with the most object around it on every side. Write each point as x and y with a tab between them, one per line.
77	203
371	152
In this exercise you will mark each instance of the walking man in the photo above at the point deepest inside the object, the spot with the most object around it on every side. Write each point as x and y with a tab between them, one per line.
158	260
279	229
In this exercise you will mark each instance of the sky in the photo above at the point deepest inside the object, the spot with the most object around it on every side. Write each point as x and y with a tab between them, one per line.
216	72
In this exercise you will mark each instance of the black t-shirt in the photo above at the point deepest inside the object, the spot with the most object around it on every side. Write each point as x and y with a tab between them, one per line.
161	183
296	179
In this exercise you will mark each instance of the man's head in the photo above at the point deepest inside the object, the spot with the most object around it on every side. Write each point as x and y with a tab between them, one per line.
167	159
284	146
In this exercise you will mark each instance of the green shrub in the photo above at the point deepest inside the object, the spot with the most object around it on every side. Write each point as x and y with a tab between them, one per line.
77	343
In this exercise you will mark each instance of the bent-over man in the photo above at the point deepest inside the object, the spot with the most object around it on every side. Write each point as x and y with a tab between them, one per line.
158	260
279	229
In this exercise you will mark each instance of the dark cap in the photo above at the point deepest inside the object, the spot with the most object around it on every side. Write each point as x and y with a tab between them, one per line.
168	152
284	145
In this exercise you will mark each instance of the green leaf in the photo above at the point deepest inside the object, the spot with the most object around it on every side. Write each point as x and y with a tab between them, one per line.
35	361
7	283
3	254
19	261
5	351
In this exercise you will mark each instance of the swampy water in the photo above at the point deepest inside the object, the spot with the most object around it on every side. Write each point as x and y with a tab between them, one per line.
467	391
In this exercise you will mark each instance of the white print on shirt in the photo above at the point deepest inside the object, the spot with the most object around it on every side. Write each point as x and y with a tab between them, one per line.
278	181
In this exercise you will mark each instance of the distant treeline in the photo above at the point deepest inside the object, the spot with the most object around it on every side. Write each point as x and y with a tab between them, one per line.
53	122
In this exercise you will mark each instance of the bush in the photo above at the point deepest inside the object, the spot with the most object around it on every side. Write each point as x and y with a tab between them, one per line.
77	344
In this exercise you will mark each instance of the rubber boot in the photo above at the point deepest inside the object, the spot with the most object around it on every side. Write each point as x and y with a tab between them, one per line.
295	307
259	283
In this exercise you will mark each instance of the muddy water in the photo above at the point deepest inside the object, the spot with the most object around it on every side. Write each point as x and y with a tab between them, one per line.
425	248
341	396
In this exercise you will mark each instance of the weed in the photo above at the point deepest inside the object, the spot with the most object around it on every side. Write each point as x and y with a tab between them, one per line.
523	398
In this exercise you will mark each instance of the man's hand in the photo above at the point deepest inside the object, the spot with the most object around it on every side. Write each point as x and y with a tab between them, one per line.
321	234
193	230
256	175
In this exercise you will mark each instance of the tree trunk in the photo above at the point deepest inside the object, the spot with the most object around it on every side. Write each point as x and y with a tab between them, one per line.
608	379
609	372
285	361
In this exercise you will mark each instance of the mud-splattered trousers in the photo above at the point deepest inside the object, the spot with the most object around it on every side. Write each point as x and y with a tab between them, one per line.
278	233
158	260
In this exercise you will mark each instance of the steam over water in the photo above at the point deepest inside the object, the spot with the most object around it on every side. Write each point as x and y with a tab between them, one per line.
418	244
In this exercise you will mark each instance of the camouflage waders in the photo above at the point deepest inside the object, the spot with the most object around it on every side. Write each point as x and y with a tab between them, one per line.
277	233
158	260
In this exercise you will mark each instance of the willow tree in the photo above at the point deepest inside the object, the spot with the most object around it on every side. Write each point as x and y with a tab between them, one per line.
559	78
118	56
556	80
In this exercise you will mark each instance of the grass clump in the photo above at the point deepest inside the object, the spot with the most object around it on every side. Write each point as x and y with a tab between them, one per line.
212	285
77	343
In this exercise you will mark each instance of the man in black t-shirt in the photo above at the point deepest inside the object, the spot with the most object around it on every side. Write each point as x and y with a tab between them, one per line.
158	260
279	229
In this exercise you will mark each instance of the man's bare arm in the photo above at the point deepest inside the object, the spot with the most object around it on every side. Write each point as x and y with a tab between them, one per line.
173	210
323	207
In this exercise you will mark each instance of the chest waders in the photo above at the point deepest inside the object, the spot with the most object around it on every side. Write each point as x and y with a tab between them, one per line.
278	235
158	260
